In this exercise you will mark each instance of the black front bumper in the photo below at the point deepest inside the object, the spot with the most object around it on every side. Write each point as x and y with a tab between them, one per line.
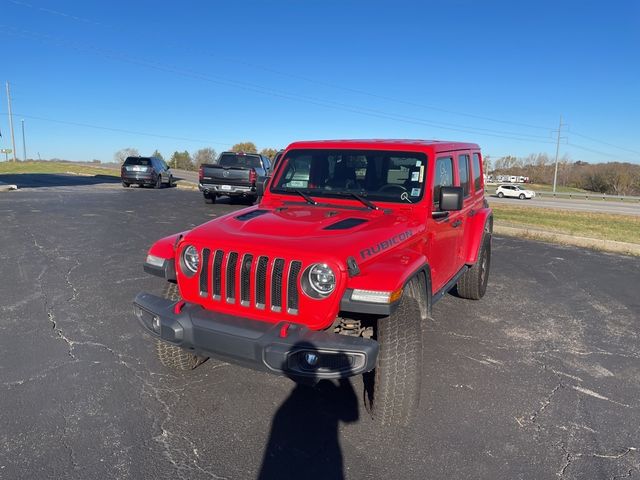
283	348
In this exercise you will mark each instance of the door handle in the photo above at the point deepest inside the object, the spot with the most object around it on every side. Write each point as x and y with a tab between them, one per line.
457	223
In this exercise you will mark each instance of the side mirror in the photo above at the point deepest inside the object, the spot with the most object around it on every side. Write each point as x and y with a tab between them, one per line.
451	198
261	186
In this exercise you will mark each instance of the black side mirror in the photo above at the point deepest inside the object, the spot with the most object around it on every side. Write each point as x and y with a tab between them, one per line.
451	198
261	185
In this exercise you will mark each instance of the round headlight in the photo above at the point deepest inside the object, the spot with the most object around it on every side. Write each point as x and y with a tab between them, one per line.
321	278
190	259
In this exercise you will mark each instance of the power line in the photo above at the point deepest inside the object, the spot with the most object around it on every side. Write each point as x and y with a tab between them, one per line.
604	143
290	75
279	94
119	130
606	154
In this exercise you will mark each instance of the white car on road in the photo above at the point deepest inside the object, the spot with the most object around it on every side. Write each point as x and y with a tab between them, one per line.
515	191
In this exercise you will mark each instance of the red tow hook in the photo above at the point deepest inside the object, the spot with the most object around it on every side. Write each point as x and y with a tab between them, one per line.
177	308
284	330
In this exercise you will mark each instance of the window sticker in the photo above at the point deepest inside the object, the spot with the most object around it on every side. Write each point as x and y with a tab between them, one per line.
418	163
421	173
415	176
415	192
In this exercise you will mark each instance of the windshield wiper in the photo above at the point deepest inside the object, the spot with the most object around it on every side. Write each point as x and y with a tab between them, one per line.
307	198
358	197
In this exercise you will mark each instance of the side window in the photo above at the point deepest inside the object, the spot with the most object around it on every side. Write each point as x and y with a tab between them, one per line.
267	165
443	177
463	174
477	172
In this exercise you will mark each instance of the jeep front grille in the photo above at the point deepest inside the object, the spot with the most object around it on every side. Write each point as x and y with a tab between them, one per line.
251	279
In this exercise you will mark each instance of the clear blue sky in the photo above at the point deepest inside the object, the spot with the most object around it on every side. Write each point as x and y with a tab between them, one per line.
215	73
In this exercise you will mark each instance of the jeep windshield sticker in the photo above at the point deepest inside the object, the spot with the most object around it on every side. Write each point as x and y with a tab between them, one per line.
418	163
415	192
415	176
385	244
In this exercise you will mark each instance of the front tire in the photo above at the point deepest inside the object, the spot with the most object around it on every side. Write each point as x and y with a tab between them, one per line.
522	196
500	194
171	356
473	283
395	394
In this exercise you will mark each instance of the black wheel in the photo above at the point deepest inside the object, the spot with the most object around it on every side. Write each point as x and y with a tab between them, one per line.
125	184
158	182
473	283
500	194
395	393
171	181
521	196
171	356
209	198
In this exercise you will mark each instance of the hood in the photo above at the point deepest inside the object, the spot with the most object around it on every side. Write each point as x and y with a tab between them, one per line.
328	232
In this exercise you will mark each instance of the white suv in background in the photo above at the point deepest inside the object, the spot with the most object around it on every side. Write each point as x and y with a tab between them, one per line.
515	191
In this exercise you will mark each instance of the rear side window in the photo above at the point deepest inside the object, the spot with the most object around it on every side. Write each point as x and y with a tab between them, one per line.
138	161
443	177
463	173
477	172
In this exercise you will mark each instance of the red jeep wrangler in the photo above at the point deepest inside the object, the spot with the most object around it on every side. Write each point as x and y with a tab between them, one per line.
334	273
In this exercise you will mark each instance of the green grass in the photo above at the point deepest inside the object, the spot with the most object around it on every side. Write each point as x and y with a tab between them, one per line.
621	228
541	187
55	167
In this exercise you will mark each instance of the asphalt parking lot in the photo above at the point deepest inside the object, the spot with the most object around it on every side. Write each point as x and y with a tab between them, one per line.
540	379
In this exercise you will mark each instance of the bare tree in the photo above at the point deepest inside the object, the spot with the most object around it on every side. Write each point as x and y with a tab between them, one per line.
121	155
204	155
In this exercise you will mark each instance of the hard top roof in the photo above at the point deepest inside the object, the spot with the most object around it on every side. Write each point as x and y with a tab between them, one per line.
385	144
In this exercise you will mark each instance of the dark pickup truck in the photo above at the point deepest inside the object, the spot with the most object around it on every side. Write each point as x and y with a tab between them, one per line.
233	174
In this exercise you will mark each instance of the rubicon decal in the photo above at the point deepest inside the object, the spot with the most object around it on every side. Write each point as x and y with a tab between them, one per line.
385	244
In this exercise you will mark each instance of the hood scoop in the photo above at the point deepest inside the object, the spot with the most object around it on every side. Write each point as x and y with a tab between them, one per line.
252	214
346	224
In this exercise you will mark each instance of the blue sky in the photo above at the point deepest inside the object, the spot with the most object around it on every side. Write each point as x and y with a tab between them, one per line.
215	73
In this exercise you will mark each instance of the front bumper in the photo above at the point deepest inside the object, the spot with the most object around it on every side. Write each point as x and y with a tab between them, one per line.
284	348
210	188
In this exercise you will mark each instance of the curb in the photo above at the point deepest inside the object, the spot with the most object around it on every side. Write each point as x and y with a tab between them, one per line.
564	239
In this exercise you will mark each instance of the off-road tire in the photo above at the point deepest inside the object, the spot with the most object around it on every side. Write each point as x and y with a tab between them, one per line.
396	379
171	356
125	184
500	194
158	183
209	198
473	283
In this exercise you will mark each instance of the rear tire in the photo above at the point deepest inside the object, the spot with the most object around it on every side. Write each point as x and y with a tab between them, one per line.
125	184
171	182
208	198
171	356
395	394
158	182
473	283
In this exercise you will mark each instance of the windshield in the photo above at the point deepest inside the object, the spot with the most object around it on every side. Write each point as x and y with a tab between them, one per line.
375	174
233	160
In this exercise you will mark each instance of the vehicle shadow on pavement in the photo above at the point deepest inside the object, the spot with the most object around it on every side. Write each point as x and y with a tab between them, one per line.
38	180
303	442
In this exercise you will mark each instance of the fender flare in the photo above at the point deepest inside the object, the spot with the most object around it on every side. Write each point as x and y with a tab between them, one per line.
480	224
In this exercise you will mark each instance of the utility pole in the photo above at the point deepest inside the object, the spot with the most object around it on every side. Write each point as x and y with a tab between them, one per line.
24	144
555	175
13	140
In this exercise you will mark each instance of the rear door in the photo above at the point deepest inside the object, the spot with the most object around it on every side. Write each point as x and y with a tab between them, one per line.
463	168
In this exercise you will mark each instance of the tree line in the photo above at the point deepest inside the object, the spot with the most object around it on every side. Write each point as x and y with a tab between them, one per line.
186	161
615	178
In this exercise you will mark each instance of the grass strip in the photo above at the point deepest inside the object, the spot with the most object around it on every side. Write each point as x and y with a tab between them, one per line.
7	168
604	226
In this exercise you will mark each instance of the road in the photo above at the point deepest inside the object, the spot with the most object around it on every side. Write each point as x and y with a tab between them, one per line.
540	379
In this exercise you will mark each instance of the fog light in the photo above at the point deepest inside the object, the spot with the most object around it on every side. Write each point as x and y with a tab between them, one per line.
155	324
311	359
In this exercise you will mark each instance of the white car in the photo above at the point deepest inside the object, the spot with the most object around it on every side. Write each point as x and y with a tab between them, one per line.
515	191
